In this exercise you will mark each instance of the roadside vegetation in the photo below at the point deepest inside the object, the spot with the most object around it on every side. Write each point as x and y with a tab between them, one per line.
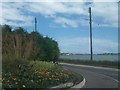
19	44
111	64
27	61
36	74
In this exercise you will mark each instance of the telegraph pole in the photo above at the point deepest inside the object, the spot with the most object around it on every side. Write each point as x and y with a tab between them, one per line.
91	58
35	24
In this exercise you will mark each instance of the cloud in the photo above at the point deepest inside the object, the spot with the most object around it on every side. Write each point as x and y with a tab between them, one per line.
99	10
82	45
65	22
53	8
60	12
108	11
13	15
1	12
59	0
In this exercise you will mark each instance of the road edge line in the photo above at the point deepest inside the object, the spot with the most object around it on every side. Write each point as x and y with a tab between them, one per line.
65	85
70	85
81	84
92	66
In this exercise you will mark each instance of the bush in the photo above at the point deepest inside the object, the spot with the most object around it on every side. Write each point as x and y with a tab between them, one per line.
36	75
19	44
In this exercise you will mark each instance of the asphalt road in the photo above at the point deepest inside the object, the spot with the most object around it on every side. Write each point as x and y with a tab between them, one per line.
96	77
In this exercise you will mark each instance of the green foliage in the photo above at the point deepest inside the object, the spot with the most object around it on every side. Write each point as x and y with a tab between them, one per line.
19	49
37	74
51	49
19	44
6	29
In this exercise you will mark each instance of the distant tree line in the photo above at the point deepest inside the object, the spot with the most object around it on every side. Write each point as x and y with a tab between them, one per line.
19	44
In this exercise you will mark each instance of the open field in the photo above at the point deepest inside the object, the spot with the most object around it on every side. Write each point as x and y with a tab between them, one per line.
99	57
111	64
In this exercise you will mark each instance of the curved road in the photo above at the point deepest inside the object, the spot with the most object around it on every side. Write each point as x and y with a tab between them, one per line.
96	77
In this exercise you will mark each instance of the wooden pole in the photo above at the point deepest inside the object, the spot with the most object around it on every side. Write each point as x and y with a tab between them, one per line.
35	24
91	58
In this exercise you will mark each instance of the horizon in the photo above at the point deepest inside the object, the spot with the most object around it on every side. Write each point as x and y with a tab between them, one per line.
89	53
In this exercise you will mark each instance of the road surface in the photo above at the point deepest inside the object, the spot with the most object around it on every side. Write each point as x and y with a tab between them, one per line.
96	77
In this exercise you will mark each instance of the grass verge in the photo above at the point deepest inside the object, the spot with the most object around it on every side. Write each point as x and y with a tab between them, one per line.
36	74
110	64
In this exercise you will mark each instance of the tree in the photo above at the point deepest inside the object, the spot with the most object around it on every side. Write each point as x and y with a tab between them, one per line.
6	29
19	44
51	49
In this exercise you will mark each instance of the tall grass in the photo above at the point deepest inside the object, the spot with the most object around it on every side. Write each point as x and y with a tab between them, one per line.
40	64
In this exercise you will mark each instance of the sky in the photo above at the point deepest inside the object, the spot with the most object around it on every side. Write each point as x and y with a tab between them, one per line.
67	22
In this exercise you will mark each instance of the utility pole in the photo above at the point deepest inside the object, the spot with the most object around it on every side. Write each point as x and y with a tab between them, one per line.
35	24
91	58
